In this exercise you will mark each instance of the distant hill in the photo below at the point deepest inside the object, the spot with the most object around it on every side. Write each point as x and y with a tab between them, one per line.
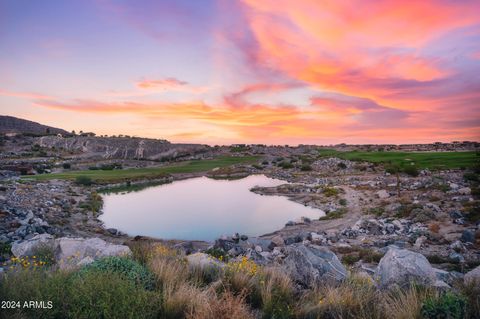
10	124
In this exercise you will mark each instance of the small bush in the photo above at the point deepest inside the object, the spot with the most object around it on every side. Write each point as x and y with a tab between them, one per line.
285	165
67	165
5	248
448	305
470	177
335	214
44	253
343	202
126	267
411	170
342	165
330	191
83	180
218	254
306	168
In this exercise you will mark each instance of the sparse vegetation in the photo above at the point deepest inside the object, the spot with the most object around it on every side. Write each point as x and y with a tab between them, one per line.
334	214
83	180
108	176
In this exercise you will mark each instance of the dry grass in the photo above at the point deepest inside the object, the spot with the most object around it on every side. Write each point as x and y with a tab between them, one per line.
405	304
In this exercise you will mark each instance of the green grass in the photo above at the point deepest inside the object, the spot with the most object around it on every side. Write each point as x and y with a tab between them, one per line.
431	160
150	172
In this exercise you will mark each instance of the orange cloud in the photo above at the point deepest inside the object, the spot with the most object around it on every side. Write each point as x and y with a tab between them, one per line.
169	84
25	95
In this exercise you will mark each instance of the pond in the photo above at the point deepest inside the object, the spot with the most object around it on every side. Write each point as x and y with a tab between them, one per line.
202	209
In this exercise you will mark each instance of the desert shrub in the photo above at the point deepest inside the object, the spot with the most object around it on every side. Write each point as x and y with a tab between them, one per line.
142	251
224	306
94	203
350	259
124	266
342	165
218	253
285	165
44	253
256	166
67	165
330	191
83	180
99	294
343	202
447	305
470	177
334	214
471	291
411	170
5	248
351	299
28	284
405	303
306	168
377	211
277	294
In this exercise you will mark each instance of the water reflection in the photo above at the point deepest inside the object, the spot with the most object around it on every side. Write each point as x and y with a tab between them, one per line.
202	209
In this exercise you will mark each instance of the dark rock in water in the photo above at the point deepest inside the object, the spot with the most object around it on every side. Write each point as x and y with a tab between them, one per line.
468	236
112	231
244	237
313	265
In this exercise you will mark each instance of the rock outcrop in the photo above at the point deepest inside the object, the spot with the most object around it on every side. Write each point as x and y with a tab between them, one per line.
313	265
401	268
70	252
472	276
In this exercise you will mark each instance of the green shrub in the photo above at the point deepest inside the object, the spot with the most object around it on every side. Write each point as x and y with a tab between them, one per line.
470	177
343	202
330	191
217	253
5	248
447	305
44	253
67	165
411	170
306	168
285	165
83	180
334	214
342	165
124	266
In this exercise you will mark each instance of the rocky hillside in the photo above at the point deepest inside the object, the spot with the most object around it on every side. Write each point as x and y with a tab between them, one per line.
121	147
10	124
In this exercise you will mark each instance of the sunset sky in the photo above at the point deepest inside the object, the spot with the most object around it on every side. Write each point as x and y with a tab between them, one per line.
246	71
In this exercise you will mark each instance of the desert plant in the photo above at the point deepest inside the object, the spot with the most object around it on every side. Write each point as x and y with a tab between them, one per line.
447	305
411	170
83	180
306	168
124	266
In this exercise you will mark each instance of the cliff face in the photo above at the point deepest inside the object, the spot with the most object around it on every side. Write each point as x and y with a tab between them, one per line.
121	147
10	124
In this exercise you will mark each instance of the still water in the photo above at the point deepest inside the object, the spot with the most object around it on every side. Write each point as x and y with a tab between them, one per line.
202	209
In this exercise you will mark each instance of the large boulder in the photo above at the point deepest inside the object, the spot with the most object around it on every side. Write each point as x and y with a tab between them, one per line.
401	268
313	265
203	261
28	247
70	252
472	276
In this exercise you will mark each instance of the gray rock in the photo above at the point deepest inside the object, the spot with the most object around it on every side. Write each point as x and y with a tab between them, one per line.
313	265
468	236
401	267
456	257
203	260
472	276
112	231
70	251
27	247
